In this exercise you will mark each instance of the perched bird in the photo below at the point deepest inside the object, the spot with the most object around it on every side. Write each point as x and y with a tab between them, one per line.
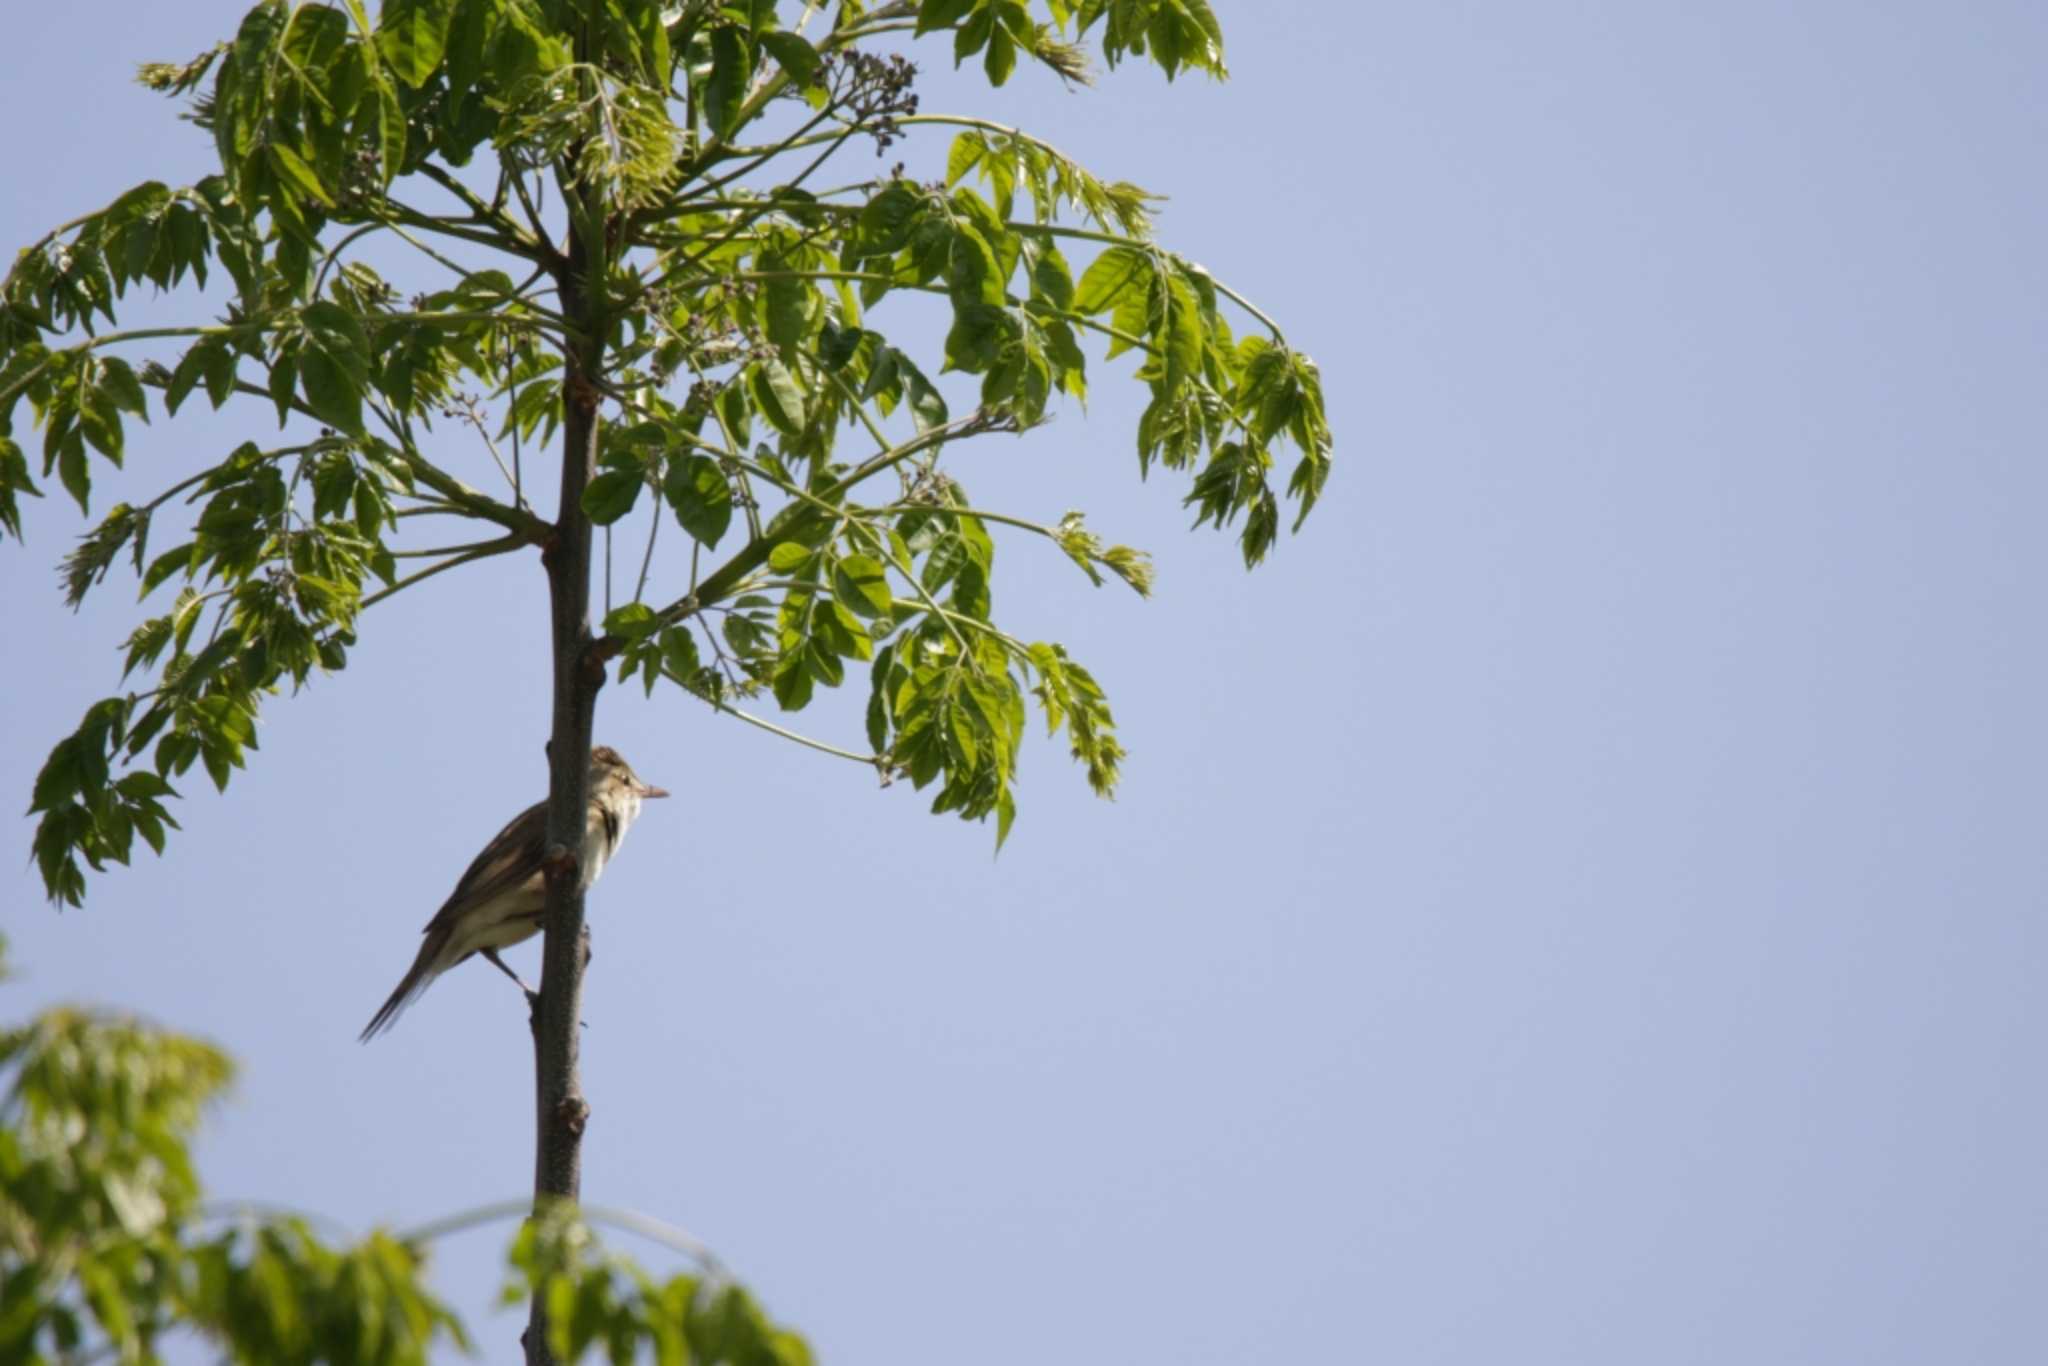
499	901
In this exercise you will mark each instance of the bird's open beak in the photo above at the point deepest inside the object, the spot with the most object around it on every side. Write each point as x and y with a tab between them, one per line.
647	791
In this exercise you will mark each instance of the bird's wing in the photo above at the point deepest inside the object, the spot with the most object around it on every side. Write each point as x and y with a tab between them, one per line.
511	857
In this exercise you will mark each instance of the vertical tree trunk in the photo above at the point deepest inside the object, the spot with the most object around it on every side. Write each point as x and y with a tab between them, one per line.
560	1108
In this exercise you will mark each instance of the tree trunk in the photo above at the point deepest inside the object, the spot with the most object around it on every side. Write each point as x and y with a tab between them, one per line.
561	1111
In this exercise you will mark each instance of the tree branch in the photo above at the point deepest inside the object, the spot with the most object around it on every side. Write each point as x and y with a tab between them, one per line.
482	550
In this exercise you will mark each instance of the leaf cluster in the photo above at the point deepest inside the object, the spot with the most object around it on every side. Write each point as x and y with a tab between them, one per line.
102	1233
108	1250
1177	34
282	545
597	1299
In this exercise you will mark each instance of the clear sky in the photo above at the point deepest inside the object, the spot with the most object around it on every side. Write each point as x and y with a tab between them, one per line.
1580	903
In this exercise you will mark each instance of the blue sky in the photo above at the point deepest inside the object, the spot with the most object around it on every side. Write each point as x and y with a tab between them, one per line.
1580	902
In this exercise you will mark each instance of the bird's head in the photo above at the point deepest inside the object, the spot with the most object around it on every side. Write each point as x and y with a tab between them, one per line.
609	768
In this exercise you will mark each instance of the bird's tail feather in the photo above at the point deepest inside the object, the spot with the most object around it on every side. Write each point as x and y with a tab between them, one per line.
418	978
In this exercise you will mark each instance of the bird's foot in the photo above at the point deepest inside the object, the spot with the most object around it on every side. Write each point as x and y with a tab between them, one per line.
533	1012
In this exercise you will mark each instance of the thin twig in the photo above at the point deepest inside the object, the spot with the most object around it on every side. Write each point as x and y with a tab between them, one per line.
485	551
647	560
654	1230
467	409
496	543
871	760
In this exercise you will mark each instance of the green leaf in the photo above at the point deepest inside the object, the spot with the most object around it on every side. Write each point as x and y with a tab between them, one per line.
785	308
927	407
293	170
1185	33
679	651
863	585
886	220
339	332
793	685
391	130
974	275
611	495
413	37
1006	816
14	477
794	55
634	621
1051	278
186	376
372	515
937	14
220	365
525	43
283	381
1133	316
258	34
466	45
732	70
967	152
776	395
165	565
975	338
789	556
697	490
101	423
330	391
1001	58
1180	332
821	660
1110	277
734	414
117	381
969	37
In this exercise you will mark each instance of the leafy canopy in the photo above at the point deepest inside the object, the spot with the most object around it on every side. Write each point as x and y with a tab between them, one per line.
107	1248
472	213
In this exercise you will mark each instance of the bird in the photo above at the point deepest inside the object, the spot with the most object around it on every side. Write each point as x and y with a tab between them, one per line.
500	899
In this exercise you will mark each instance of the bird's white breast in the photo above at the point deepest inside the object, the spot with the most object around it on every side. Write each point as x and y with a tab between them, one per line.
599	844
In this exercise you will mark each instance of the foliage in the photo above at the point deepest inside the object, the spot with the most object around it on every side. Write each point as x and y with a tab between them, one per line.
107	1249
600	1299
524	219
102	1239
721	312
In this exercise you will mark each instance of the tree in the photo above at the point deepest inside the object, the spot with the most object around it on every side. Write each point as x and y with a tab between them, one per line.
615	242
